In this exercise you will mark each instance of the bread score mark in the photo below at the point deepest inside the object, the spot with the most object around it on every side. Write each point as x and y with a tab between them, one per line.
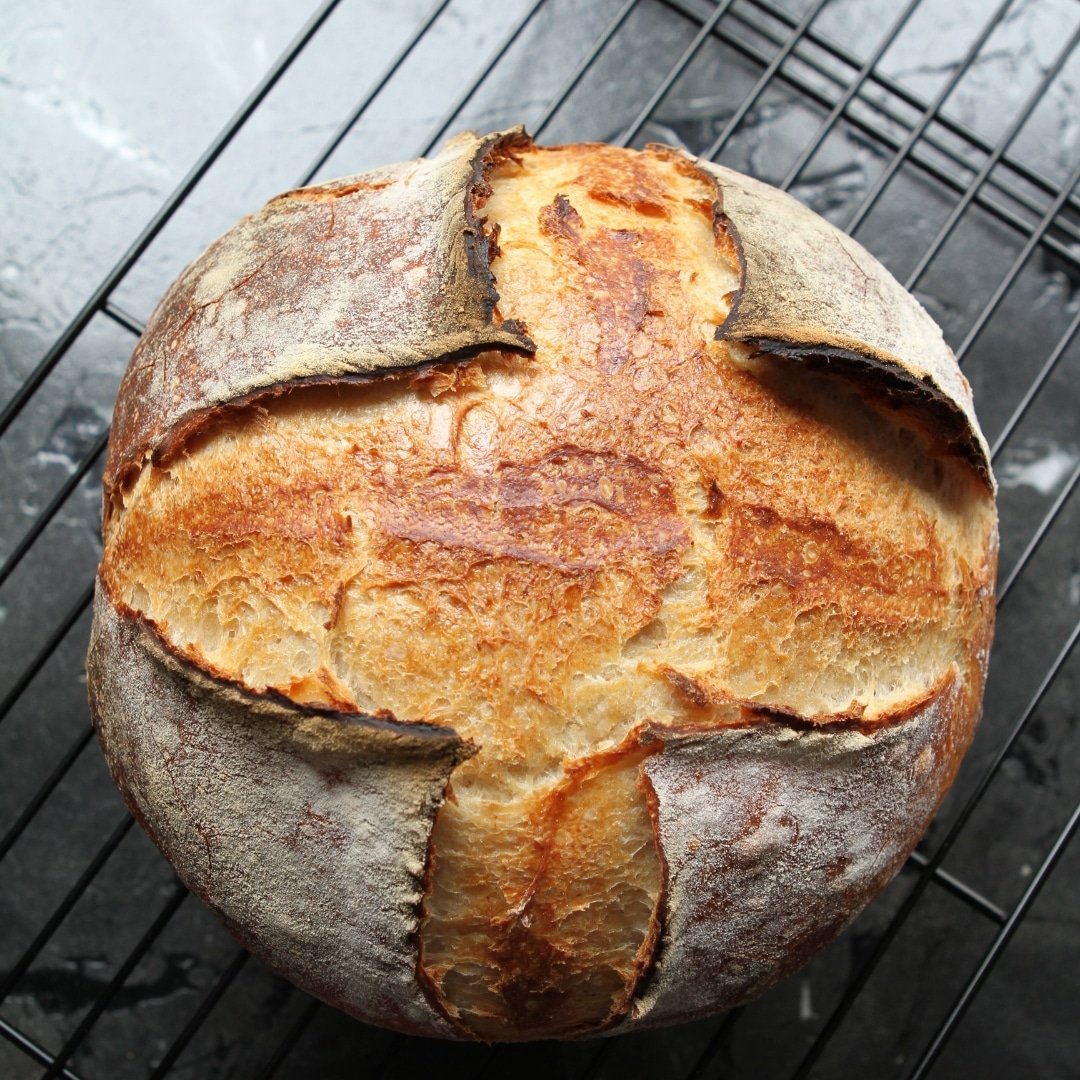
280	817
547	965
866	324
346	729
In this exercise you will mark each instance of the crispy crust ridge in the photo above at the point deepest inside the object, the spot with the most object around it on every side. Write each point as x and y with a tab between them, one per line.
394	268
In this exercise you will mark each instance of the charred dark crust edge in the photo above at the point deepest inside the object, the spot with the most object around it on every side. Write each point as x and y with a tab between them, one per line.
198	423
658	923
949	425
955	428
752	715
481	244
427	985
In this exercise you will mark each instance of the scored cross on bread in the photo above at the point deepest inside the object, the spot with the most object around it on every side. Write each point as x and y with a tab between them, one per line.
545	591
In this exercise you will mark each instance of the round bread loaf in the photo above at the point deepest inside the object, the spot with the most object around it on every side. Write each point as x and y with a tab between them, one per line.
545	591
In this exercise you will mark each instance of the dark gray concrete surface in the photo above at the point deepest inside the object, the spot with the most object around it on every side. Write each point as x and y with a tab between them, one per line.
104	107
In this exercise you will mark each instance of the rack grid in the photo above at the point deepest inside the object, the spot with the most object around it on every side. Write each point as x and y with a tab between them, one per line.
767	87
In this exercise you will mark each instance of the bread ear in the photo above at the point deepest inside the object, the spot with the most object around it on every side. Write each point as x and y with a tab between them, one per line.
811	293
393	267
783	836
305	831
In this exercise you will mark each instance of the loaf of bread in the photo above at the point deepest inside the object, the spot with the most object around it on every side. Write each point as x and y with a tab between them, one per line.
545	592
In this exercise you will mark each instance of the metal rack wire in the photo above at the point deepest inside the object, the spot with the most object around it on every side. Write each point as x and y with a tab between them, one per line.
917	137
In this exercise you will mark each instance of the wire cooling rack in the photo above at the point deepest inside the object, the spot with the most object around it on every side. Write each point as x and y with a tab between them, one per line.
945	137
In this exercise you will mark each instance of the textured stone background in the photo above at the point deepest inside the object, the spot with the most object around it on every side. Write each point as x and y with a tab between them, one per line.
103	109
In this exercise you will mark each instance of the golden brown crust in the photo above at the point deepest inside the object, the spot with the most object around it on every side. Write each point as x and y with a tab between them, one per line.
376	737
642	572
393	268
525	512
550	976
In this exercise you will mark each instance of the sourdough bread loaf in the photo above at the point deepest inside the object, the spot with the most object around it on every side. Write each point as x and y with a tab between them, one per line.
545	591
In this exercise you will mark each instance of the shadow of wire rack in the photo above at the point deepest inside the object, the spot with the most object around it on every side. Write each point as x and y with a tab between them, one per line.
945	136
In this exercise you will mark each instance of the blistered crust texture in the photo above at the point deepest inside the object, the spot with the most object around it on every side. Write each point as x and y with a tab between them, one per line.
591	670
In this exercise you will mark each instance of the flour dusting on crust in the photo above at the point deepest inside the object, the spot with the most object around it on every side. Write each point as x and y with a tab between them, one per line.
312	856
774	838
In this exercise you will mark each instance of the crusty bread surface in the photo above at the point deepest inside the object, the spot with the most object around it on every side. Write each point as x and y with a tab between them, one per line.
676	594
